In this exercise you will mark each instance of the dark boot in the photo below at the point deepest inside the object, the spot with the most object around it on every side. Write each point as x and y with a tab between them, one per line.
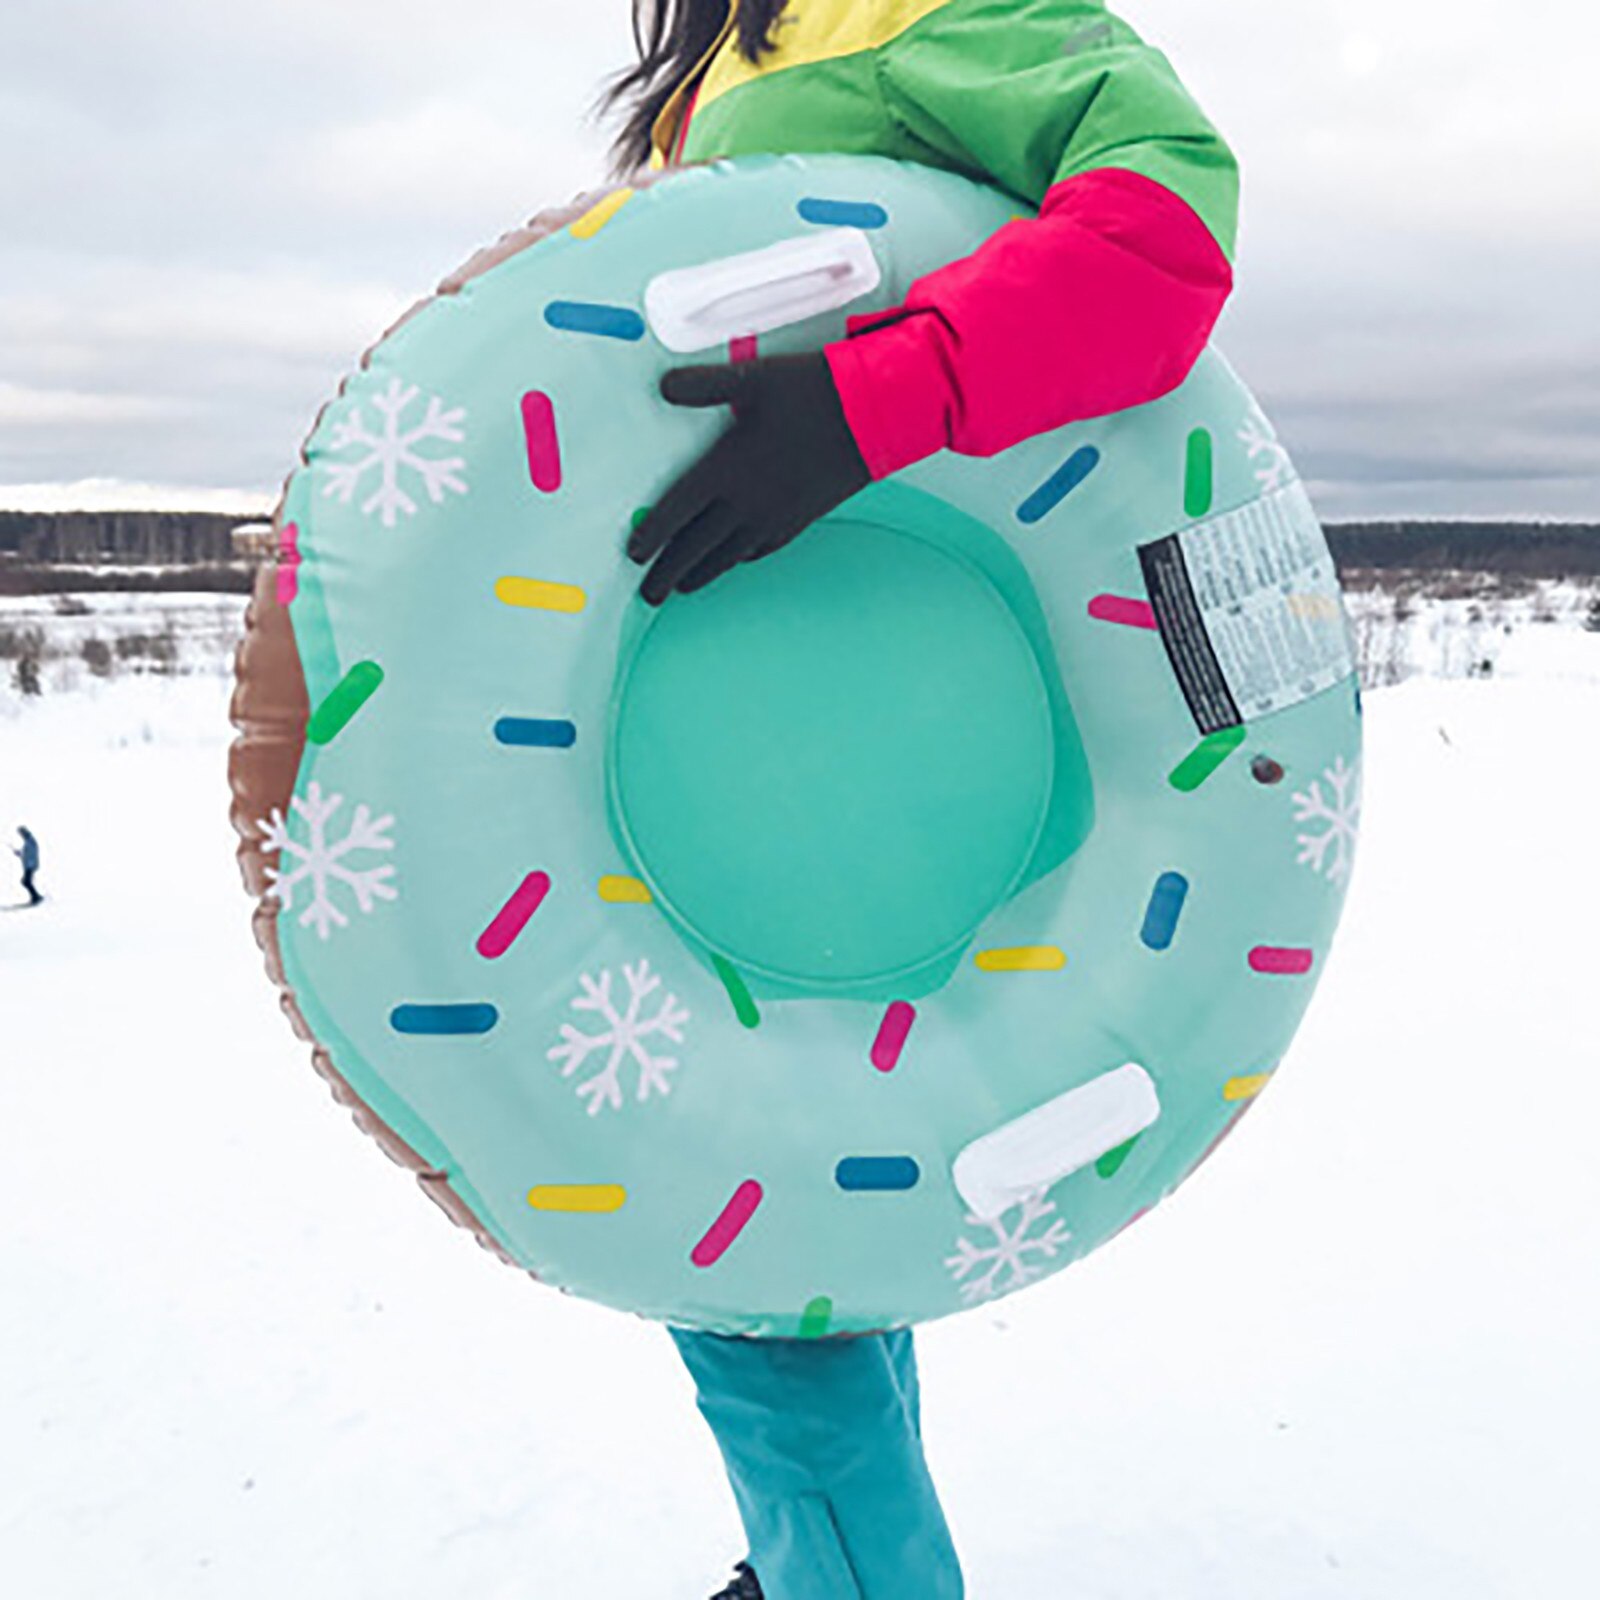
745	1585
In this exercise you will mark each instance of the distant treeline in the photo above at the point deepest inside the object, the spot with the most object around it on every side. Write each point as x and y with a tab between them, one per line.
205	544
1509	549
118	538
29	578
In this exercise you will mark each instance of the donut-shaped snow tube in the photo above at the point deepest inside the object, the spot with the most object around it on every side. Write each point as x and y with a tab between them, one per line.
864	937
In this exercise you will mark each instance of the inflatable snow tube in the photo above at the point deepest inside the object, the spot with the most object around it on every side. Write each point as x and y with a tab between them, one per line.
868	936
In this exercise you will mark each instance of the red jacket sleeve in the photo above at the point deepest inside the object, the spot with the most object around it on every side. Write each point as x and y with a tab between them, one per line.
1105	300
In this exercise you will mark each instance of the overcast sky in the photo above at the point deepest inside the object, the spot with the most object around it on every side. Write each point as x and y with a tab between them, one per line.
207	208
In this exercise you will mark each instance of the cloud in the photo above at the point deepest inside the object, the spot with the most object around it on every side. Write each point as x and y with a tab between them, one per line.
220	206
115	494
21	407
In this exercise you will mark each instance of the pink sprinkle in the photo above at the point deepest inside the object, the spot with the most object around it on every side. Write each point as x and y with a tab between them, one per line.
735	1215
1123	611
288	564
514	916
745	349
892	1036
1280	963
544	446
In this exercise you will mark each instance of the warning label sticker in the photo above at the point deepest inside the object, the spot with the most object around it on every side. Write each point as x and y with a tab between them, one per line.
1249	608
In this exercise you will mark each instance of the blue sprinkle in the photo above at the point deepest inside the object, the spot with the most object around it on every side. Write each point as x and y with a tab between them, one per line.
534	733
604	322
1166	906
878	1172
444	1019
844	213
1059	485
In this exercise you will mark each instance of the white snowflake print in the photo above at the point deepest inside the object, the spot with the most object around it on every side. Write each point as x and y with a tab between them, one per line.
395	451
1274	469
1331	848
1013	1254
624	1028
321	864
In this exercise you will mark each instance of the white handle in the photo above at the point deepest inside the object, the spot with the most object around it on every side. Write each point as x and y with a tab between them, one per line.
1055	1140
735	297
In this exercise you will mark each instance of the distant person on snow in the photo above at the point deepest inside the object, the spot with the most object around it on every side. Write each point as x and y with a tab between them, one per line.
28	855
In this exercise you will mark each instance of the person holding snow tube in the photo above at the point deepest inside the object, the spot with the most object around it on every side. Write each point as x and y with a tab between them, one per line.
1102	300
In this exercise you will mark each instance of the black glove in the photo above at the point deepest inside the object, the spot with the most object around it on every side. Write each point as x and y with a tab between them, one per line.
788	459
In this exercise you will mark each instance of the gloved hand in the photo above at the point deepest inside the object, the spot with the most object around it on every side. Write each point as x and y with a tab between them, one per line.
788	459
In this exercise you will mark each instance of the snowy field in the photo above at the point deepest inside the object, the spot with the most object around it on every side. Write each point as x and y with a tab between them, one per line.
241	1356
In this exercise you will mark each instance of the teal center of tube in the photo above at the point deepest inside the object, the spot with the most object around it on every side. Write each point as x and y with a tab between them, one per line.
832	765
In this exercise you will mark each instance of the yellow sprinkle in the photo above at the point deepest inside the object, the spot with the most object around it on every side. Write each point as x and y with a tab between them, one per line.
625	892
1246	1088
534	595
592	1198
596	217
1028	958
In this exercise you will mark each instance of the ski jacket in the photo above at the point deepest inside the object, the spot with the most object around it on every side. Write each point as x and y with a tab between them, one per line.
1104	300
29	852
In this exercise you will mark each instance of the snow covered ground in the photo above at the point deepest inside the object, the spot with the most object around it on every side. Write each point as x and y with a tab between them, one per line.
77	640
241	1356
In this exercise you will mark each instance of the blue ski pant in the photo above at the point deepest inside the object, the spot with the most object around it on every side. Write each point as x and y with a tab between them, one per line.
822	1440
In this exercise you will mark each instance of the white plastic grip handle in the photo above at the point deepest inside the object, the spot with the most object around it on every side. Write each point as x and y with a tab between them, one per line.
1054	1140
736	297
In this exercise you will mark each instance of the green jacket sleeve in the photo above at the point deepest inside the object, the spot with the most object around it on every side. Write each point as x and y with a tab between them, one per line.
1103	301
1030	93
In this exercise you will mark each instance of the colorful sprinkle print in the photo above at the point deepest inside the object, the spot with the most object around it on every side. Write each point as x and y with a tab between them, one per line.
1246	1088
1164	911
1205	759
339	710
1283	963
843	213
597	216
734	1220
599	322
582	1199
444	1021
744	1006
890	1044
543	442
818	1318
288	564
514	916
535	733
534	594
877	1174
567	1032
1198	474
1027	958
1123	611
619	891
1067	477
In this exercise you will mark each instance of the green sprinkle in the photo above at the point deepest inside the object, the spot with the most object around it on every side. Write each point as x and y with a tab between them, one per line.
335	713
1197	487
818	1318
1204	759
743	1006
1110	1164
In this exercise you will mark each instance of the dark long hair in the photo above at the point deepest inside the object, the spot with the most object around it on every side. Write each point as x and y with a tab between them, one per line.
672	36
